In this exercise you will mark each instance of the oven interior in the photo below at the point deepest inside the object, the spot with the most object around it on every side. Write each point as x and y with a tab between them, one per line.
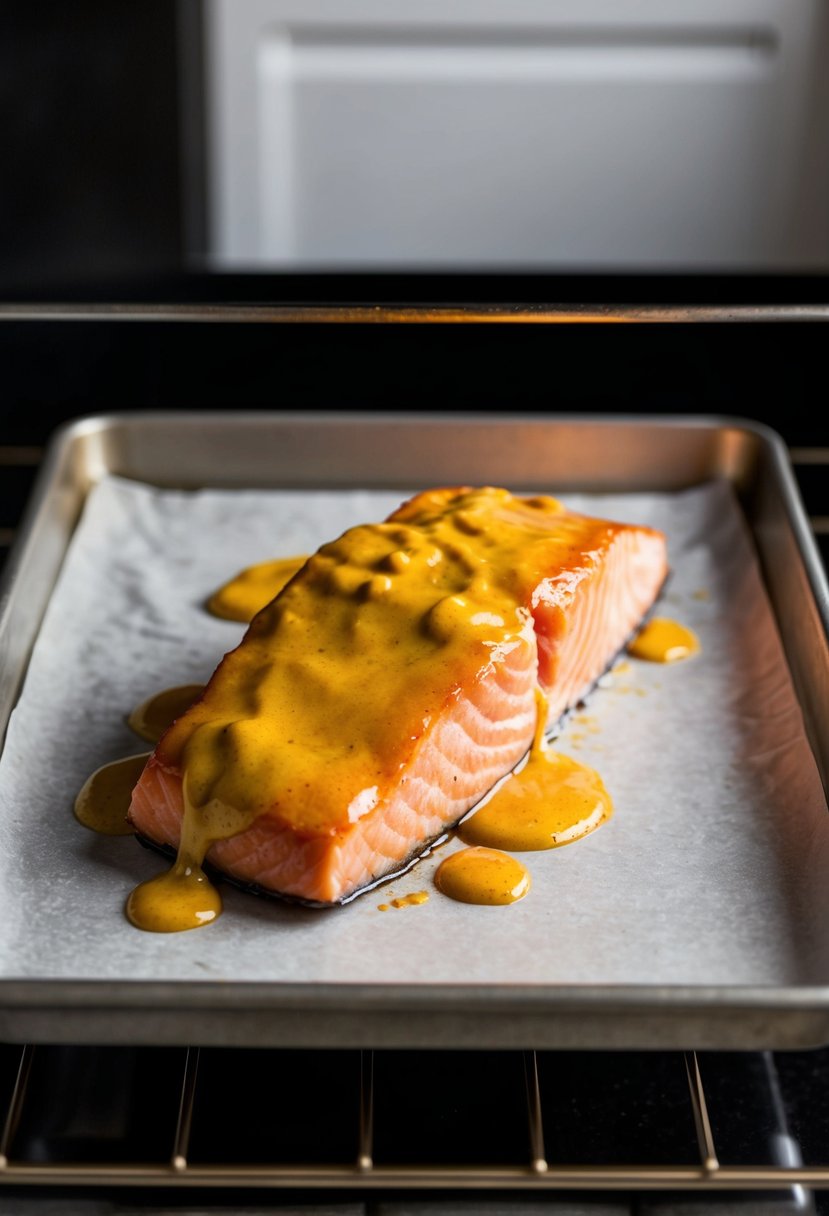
122	1128
369	1124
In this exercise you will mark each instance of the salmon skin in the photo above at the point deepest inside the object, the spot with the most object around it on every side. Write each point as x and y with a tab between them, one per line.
390	685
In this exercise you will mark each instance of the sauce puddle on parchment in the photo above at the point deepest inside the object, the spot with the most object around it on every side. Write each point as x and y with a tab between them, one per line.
483	876
664	641
104	800
413	900
182	897
551	801
151	718
249	591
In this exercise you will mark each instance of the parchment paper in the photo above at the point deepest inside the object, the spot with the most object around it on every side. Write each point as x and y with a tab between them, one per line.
714	868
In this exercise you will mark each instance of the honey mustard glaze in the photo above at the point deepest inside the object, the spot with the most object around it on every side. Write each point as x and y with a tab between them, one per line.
104	800
551	801
413	900
312	719
664	641
243	596
152	717
182	897
482	876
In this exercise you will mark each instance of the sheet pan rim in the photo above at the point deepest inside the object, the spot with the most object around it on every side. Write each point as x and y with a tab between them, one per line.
126	1000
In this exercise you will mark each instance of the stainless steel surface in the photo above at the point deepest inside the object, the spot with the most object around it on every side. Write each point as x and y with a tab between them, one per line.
705	1138
15	1107
335	450
364	1155
536	1122
185	1110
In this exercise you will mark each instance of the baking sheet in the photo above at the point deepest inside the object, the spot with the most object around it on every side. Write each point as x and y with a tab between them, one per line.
712	871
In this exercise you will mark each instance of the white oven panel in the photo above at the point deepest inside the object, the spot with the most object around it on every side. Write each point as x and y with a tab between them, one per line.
605	133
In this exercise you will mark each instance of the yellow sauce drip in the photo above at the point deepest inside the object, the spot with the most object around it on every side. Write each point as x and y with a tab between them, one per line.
552	801
383	907
410	901
253	588
181	898
104	800
482	876
184	897
589	723
664	641
152	717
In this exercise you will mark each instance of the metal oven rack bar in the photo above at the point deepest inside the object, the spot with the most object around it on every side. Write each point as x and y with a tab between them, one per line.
430	314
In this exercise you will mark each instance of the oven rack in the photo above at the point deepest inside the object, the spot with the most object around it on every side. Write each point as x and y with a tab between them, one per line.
31	1155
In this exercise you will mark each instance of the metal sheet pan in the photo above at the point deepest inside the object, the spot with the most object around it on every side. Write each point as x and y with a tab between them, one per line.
288	451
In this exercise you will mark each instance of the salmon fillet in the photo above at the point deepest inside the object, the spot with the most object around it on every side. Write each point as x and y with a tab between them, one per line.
391	684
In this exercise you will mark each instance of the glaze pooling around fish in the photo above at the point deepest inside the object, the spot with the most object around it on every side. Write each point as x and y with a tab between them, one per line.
662	640
481	875
391	684
103	801
552	801
153	717
253	588
253	888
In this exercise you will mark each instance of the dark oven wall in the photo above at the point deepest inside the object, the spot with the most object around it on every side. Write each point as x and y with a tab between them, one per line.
57	370
90	142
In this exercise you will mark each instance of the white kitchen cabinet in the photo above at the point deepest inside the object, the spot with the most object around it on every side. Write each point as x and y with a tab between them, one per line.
647	134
